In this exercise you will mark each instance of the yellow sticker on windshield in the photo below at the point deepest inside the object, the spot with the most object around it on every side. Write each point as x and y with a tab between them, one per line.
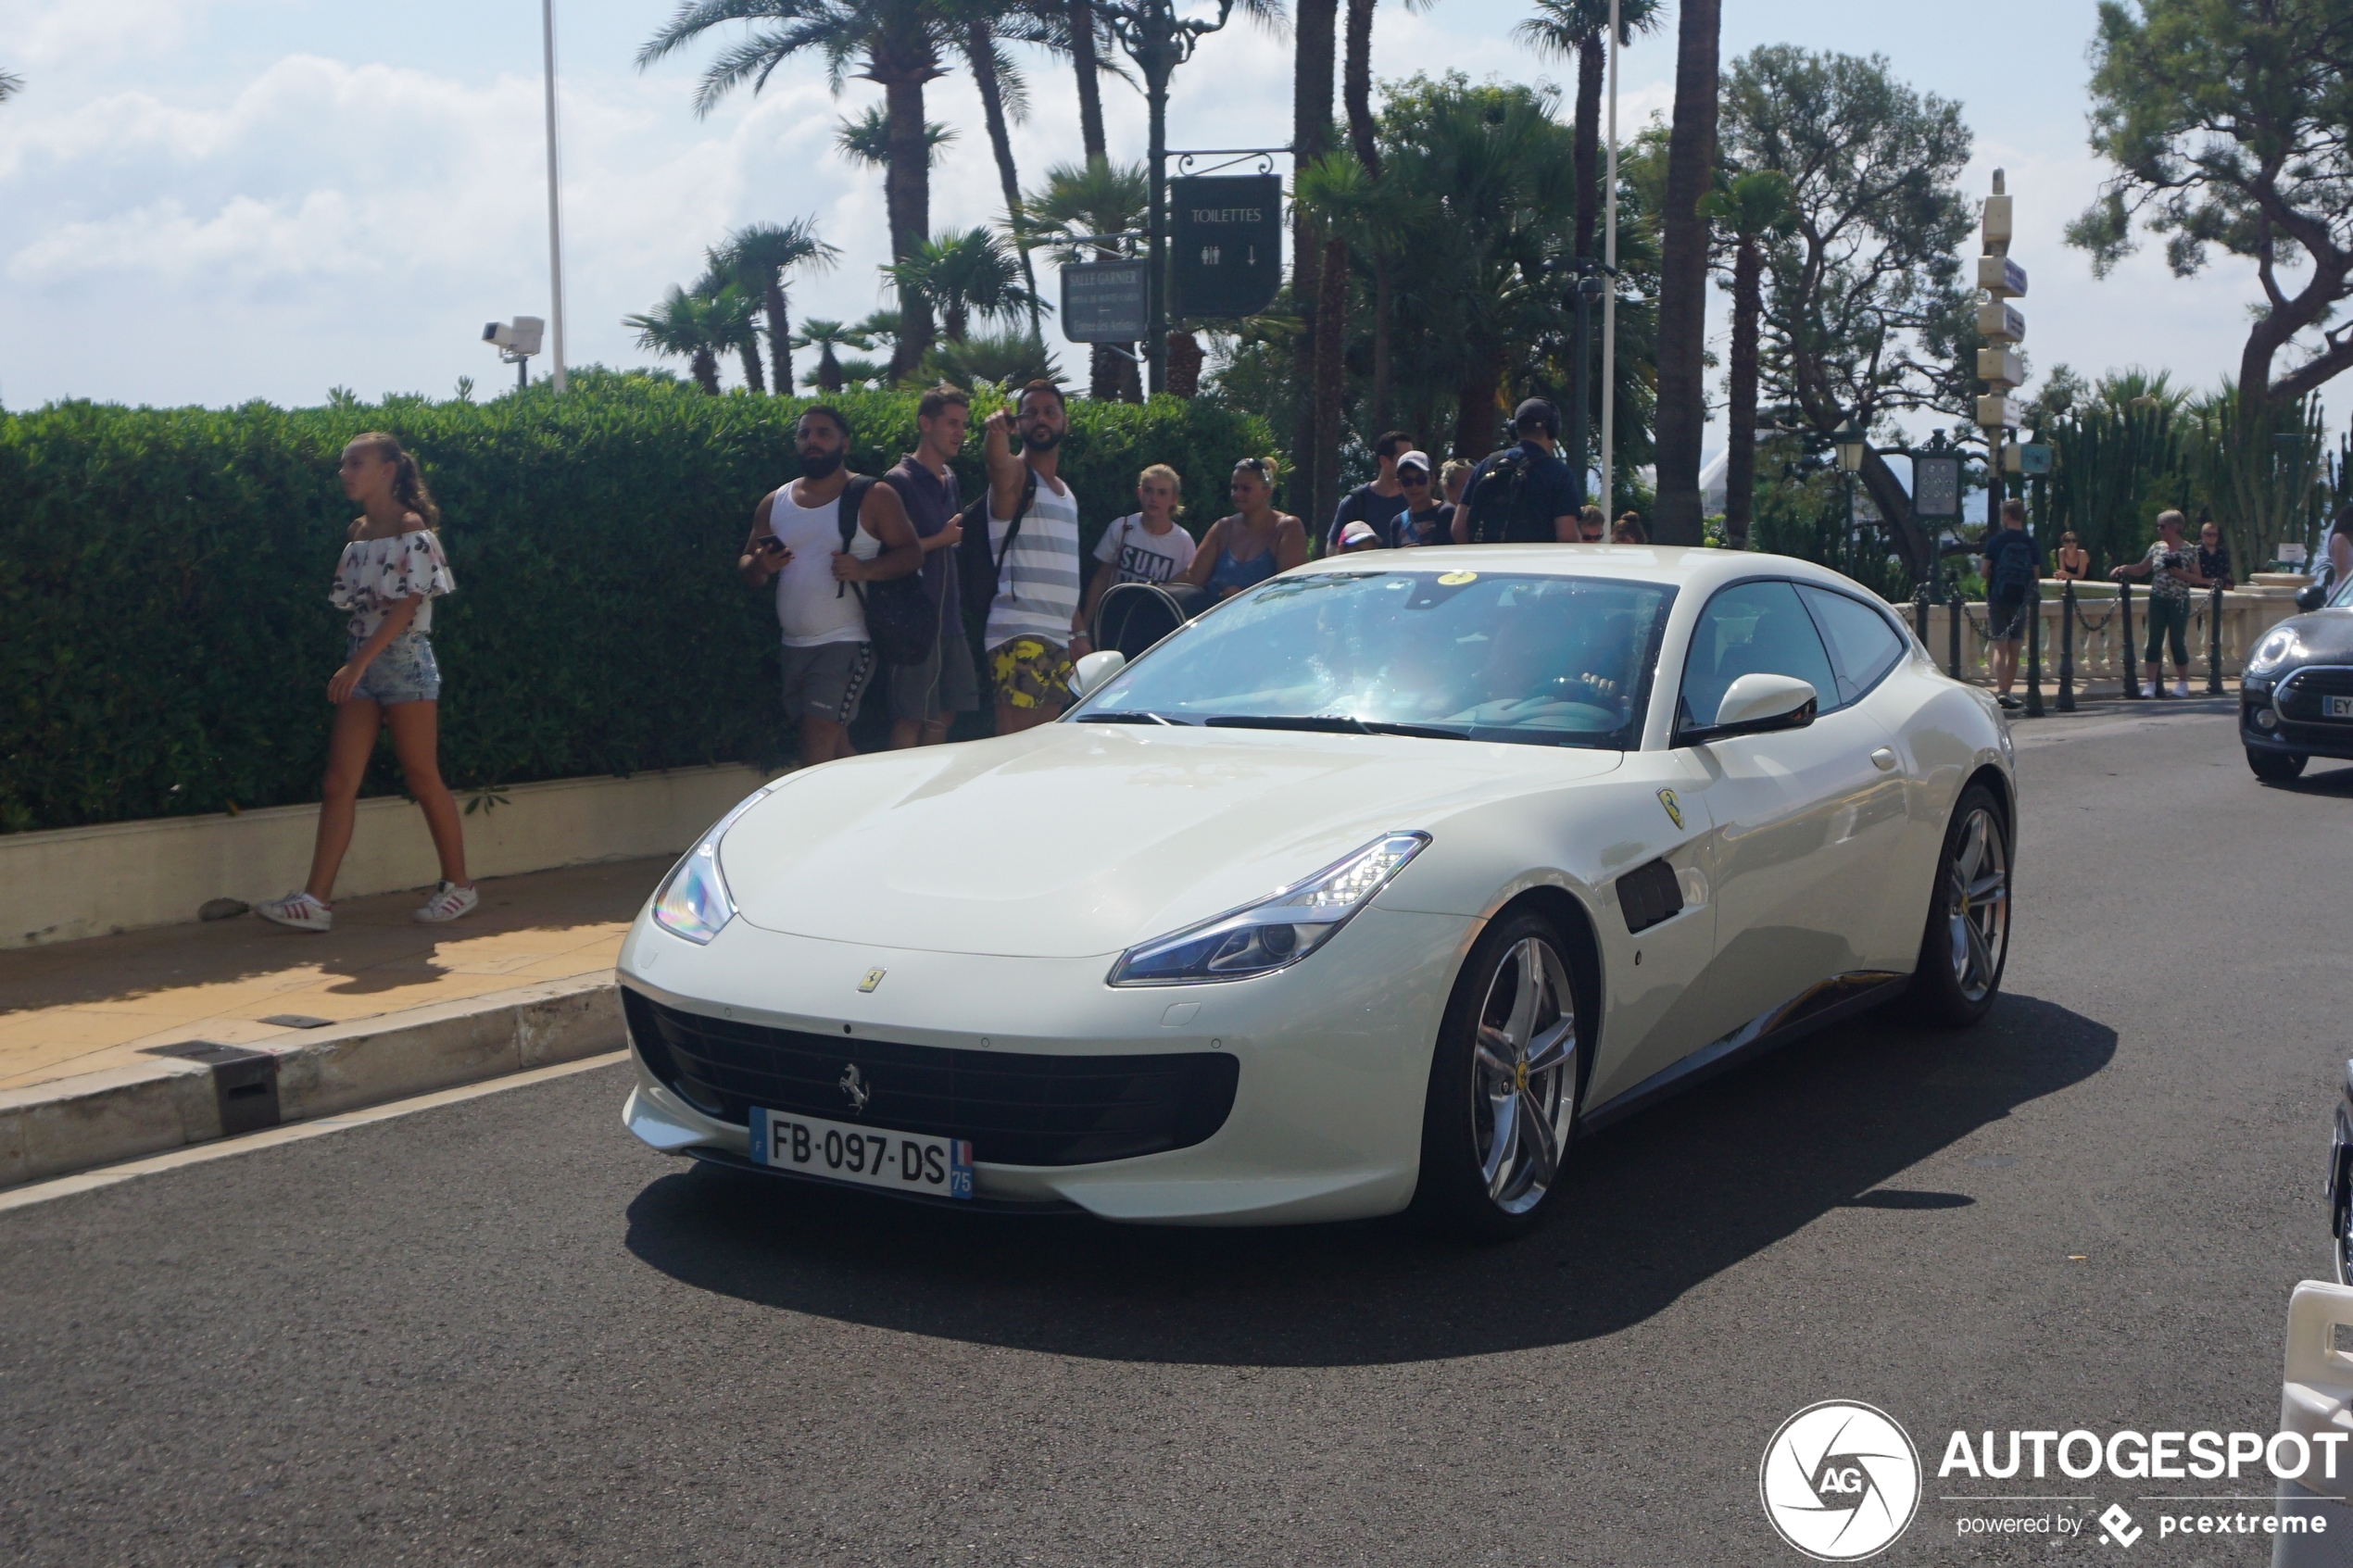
1456	579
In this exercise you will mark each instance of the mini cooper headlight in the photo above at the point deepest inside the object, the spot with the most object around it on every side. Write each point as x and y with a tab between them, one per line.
2279	644
693	900
1275	933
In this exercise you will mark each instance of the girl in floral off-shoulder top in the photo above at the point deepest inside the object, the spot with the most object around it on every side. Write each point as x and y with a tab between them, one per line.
390	573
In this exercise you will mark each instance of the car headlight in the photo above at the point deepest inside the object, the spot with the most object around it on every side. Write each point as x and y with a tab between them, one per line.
1275	933
2279	644
693	900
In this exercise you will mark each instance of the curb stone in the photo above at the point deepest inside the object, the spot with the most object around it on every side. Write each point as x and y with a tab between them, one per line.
71	1124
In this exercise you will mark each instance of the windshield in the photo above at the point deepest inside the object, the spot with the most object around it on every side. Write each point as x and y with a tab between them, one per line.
1471	655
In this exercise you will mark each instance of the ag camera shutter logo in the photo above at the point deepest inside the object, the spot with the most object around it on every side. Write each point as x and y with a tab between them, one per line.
1840	1481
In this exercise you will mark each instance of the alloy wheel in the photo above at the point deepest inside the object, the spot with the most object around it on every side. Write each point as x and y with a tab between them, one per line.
1978	904
1524	1070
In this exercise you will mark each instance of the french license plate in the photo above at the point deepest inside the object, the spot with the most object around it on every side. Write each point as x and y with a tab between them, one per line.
873	1156
2339	707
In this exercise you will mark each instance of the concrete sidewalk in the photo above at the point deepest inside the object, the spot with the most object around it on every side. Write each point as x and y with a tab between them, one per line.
113	1048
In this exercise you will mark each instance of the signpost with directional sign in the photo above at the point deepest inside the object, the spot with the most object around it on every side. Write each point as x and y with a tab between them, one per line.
1225	254
1105	302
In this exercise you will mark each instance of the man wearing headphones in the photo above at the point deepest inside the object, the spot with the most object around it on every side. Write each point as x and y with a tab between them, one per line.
1525	494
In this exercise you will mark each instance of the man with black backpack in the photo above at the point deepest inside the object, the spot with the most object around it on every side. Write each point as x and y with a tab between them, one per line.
821	539
926	696
1525	494
2012	565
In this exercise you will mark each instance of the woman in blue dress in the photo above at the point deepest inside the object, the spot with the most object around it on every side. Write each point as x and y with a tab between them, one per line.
1243	550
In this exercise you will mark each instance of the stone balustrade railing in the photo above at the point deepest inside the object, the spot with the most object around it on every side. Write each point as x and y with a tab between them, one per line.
2247	613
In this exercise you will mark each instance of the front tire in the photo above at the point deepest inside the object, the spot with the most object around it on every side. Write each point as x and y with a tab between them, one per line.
1503	1084
2276	767
1967	944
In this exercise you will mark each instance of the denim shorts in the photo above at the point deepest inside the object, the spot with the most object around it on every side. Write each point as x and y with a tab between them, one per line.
404	671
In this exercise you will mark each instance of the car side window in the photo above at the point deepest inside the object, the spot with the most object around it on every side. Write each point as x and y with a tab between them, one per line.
1862	644
1752	629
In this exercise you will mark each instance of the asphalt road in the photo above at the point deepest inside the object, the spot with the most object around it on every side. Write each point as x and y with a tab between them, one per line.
502	1332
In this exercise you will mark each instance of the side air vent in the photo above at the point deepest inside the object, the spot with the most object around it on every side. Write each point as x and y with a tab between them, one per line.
1648	895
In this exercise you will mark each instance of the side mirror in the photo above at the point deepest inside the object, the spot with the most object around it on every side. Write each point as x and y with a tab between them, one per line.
1755	704
1095	668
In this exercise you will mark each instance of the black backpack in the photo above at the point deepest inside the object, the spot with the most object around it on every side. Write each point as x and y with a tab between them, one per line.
2014	568
1496	504
901	621
978	572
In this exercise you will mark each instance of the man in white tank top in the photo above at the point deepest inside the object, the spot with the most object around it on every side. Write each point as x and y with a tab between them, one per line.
1034	627
796	542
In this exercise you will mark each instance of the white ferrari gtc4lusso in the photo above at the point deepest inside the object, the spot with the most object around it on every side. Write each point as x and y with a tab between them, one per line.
1372	888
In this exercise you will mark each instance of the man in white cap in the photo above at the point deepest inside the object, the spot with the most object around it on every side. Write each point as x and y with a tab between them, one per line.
1427	519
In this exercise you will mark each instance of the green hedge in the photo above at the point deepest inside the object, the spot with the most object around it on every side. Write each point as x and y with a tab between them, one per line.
166	640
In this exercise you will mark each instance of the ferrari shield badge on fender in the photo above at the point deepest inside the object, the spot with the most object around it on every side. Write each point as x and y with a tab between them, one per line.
874	976
1666	798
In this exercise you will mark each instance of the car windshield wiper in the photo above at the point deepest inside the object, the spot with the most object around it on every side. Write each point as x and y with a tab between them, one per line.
1122	716
1331	723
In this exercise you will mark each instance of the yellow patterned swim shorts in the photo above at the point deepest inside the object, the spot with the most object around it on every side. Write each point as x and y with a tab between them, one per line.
1030	672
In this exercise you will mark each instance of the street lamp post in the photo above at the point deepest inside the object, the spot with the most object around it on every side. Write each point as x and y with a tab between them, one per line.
1159	42
555	218
1609	298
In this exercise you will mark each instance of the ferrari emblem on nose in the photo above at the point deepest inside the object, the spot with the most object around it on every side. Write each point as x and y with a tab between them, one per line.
1666	798
874	976
855	1087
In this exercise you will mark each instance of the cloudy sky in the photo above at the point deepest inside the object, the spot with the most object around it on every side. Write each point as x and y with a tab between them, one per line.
207	201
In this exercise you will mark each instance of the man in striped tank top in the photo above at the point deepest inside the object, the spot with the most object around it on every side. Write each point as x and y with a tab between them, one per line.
1034	627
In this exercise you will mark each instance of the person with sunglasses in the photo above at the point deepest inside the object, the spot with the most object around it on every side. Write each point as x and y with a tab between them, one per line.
1427	519
1239	552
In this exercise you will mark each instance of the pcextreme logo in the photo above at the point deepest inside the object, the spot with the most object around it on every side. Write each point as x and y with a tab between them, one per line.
1840	1481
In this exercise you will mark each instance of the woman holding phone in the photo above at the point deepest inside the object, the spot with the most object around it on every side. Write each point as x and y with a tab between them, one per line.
391	572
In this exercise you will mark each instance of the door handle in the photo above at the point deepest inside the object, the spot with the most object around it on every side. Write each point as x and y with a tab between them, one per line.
1884	759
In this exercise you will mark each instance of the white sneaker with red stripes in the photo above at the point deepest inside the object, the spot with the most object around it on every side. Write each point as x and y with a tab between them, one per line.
299	910
449	901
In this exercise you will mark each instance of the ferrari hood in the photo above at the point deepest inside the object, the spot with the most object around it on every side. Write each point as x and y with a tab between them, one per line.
1071	840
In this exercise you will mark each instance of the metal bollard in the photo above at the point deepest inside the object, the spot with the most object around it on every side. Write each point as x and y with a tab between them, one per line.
2067	648
2124	608
2034	649
2214	644
1952	629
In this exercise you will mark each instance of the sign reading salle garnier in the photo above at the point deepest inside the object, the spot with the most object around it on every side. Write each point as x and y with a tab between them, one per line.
1225	249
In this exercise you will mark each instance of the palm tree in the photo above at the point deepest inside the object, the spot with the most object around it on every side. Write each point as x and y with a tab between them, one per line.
1579	30
758	256
734	313
1377	217
896	43
10	85
1751	211
680	326
825	337
1010	358
963	276
866	139
1095	197
1682	302
1004	101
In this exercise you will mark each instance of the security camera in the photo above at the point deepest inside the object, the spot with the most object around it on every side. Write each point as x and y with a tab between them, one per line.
518	339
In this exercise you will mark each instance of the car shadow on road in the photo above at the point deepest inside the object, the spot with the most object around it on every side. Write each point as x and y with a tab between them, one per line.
1656	1206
